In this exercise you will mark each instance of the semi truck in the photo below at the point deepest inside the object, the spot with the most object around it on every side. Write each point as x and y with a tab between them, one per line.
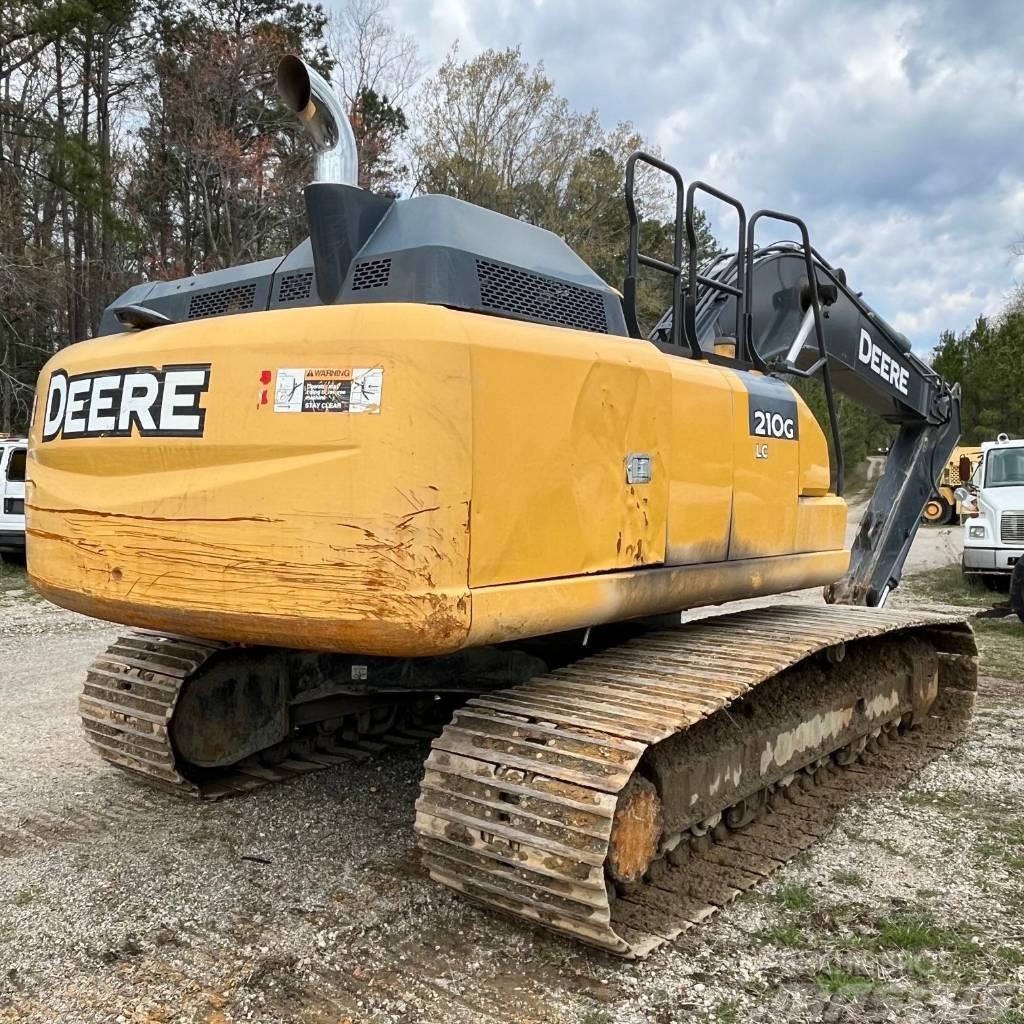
994	504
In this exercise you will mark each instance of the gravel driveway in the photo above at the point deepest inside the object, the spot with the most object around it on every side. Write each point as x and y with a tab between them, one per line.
306	902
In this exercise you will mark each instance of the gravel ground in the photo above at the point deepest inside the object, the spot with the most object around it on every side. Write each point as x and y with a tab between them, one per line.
306	903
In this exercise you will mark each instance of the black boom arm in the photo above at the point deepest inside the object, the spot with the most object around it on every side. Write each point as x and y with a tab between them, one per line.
891	519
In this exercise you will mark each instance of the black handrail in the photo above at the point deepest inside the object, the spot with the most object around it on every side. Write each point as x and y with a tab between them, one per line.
821	363
694	277
636	259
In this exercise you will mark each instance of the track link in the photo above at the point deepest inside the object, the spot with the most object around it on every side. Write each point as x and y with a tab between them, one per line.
129	699
521	791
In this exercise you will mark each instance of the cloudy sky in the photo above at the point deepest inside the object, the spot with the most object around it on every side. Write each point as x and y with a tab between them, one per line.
895	129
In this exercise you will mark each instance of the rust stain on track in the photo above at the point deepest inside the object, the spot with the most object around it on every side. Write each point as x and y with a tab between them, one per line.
521	791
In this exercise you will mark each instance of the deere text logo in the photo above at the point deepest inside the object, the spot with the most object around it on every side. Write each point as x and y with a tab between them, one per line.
889	368
143	400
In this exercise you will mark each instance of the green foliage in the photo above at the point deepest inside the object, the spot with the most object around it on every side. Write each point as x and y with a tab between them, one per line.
25	897
1008	1017
725	1011
999	641
1010	956
12	576
851	879
919	932
837	981
787	934
795	896
947	585
988	363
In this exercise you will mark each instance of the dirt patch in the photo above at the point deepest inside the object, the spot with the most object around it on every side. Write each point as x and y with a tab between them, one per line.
118	903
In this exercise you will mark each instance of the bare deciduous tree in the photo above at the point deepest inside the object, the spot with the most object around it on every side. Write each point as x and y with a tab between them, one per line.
494	131
377	67
371	54
1015	299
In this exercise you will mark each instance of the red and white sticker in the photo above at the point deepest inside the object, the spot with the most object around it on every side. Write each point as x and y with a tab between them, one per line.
348	390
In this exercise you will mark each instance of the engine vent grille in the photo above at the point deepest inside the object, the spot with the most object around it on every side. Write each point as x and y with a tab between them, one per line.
1011	528
295	287
216	302
371	274
521	293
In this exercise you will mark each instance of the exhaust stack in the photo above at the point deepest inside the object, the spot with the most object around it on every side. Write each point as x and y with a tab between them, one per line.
318	106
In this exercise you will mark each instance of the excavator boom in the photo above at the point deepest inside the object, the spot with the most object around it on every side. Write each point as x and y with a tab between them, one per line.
871	363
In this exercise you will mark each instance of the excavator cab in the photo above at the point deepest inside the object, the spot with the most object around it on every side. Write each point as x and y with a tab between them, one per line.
709	301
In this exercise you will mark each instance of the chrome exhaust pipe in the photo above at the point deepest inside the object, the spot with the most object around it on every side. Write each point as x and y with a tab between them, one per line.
322	114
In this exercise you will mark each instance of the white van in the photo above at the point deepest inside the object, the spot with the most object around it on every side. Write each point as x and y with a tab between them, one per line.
994	527
13	452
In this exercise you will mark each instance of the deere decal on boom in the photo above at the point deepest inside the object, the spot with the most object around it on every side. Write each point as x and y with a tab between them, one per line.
428	466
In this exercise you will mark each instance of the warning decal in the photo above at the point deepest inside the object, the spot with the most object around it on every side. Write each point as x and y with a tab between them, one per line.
355	389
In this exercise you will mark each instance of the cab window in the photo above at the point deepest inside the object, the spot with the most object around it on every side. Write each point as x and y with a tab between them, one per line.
16	466
1005	468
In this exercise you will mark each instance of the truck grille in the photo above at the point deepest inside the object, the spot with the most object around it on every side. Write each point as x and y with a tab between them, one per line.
1012	528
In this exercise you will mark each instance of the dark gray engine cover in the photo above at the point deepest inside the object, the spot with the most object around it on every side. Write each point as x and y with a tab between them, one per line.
430	249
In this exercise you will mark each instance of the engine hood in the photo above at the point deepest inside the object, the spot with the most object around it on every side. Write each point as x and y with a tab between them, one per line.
993	501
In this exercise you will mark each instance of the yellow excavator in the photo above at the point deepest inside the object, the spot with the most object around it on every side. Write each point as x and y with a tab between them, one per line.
428	466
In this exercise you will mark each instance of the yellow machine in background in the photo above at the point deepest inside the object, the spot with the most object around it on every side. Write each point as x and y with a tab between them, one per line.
427	466
943	506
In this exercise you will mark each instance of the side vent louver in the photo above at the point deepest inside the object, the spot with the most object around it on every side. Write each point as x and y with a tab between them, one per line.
535	297
218	301
371	274
295	287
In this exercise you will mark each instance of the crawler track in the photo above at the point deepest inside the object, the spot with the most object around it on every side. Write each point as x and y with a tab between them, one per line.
130	695
525	789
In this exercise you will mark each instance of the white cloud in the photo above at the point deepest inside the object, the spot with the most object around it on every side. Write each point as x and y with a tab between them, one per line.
895	129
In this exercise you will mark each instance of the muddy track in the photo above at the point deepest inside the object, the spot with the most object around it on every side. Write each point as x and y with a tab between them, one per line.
728	861
527	789
130	697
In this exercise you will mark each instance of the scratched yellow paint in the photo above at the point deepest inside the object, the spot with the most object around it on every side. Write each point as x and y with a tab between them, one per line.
323	530
487	500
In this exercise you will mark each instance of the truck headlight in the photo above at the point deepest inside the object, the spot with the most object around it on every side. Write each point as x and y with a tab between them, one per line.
976	531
